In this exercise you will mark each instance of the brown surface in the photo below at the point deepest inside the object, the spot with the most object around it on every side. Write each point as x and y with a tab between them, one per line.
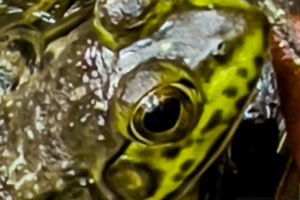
288	79
289	184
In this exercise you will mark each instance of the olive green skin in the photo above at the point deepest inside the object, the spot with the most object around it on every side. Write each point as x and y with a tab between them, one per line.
72	124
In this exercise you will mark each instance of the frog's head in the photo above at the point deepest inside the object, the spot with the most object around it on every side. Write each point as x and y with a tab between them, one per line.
146	117
180	94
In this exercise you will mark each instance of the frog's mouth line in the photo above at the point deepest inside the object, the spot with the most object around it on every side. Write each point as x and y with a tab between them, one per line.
212	156
108	191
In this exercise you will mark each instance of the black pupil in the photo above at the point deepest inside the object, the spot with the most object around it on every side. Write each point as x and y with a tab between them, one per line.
163	117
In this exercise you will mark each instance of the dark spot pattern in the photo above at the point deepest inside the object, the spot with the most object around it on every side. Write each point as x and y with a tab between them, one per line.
230	92
206	72
224	57
171	153
240	103
200	140
251	84
242	72
189	143
214	120
186	165
259	61
177	177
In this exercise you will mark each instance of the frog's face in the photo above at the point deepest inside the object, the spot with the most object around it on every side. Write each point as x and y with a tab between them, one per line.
137	120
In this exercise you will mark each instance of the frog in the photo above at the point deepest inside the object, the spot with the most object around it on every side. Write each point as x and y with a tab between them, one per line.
121	99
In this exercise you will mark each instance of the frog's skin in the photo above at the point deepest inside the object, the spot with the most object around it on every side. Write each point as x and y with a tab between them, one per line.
79	112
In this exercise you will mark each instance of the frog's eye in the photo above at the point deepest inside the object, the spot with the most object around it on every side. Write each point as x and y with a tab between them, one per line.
165	114
162	116
158	102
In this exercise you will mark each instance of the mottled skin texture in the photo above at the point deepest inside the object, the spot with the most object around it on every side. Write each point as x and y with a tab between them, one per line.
73	126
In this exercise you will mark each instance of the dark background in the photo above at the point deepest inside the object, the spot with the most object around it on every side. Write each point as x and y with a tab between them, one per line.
256	168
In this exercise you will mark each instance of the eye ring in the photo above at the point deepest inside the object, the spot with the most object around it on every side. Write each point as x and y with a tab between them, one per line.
166	114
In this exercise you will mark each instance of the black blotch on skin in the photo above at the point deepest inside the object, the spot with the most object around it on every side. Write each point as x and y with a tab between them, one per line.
171	153
200	140
230	92
186	165
188	143
231	120
214	120
177	177
224	57
259	61
251	84
206	71
240	103
242	72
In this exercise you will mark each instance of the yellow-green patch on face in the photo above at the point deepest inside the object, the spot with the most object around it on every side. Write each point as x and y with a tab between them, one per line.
161	158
